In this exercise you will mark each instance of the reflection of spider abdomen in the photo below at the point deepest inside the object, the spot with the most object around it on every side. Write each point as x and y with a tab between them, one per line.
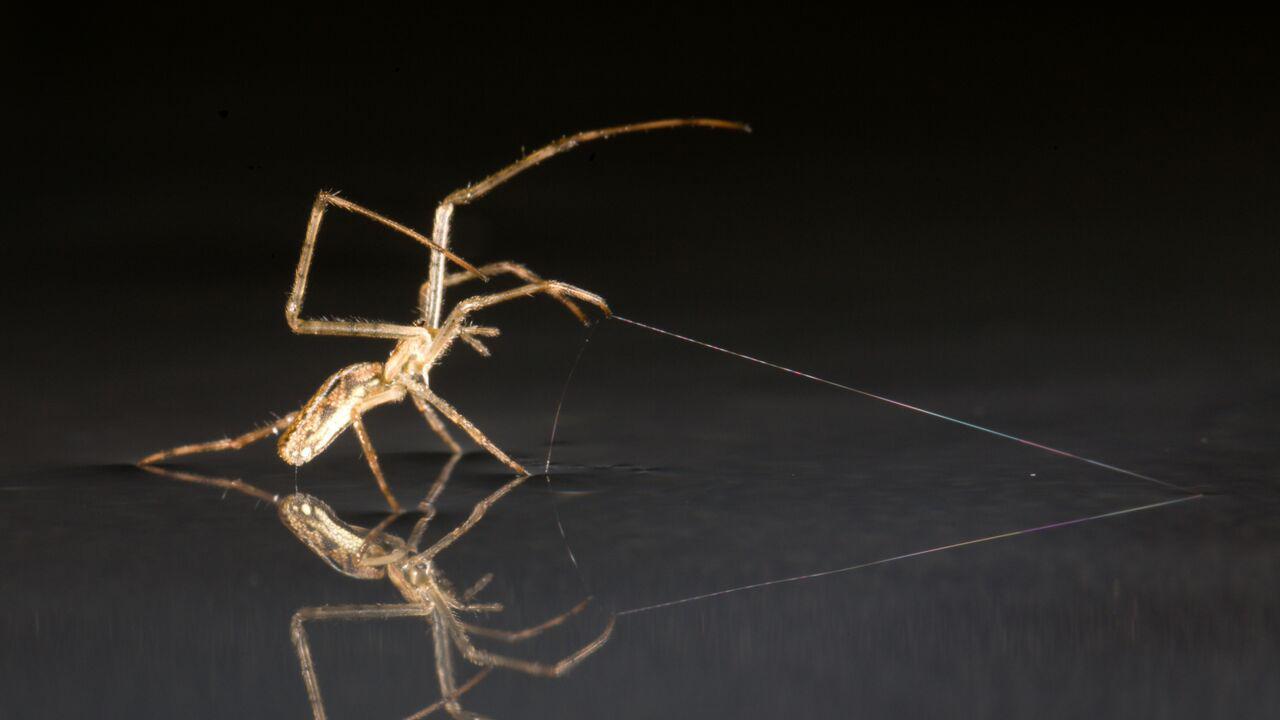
335	541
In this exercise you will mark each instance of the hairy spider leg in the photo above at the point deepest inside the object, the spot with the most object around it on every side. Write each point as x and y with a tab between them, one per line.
225	483
234	443
485	658
371	456
507	267
438	427
477	513
514	636
450	692
454	329
431	298
423	393
293	306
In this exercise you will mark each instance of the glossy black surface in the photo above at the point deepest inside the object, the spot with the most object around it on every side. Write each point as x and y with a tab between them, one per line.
1064	232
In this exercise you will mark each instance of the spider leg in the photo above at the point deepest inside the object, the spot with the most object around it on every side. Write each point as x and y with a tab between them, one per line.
477	512
513	636
455	325
432	294
520	271
302	646
452	698
428	504
437	426
424	393
234	443
453	329
555	288
479	585
293	307
371	456
485	658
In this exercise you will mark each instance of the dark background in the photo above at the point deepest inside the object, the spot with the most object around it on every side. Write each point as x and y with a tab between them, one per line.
1062	228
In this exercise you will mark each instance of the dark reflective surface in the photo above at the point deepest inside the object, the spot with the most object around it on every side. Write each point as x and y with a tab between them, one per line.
1064	231
677	472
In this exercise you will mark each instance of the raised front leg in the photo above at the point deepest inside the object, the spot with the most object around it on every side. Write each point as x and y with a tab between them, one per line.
455	327
511	268
432	294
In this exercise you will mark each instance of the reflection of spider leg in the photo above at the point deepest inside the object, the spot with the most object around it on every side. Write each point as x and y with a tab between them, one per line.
234	443
512	636
427	506
479	585
297	630
227	483
424	393
476	513
438	487
452	698
488	659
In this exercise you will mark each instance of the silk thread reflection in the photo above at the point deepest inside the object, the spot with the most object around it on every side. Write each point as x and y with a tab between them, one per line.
917	553
896	403
551	443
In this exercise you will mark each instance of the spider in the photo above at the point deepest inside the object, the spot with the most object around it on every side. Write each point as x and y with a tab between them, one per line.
373	555
347	395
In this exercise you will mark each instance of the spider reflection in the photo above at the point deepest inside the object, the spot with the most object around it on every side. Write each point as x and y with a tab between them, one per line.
374	554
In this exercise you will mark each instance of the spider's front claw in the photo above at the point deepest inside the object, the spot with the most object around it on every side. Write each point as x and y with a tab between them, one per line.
559	290
572	307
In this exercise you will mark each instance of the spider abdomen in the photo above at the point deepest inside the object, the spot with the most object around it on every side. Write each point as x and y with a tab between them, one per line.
332	409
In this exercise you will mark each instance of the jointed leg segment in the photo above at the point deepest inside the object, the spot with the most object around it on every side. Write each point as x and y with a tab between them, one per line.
520	271
476	513
437	426
424	394
302	646
489	659
371	456
235	443
293	307
432	294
